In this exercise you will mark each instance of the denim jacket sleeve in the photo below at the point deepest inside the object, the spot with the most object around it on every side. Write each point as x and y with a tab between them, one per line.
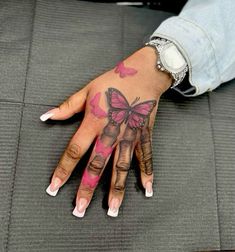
204	32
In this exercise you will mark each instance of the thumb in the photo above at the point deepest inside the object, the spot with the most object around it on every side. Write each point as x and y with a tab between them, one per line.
68	108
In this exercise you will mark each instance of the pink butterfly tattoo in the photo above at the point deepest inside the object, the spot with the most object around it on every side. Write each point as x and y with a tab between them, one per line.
96	110
124	71
133	115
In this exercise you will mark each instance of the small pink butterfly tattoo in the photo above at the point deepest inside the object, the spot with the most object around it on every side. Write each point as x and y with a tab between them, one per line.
124	71
96	110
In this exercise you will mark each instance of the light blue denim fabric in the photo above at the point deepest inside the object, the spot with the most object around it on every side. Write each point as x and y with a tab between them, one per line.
204	32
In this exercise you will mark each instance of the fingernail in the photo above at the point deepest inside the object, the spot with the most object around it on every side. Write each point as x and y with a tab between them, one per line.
80	209
148	189
113	208
54	187
78	214
46	116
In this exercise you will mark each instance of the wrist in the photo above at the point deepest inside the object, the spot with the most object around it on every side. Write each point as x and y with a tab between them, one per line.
148	59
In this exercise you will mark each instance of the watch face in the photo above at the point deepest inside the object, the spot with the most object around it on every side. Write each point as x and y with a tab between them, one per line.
172	59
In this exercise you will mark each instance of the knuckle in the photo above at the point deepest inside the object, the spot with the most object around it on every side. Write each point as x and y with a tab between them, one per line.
62	172
145	136
118	189
148	157
123	166
96	165
147	172
66	104
73	151
86	190
142	167
62	106
119	185
148	168
139	152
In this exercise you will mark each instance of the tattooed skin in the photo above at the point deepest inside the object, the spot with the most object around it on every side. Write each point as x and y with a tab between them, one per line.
143	151
103	150
133	115
124	71
124	158
89	180
136	118
96	110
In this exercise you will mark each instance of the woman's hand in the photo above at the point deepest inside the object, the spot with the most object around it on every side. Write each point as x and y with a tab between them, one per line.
120	108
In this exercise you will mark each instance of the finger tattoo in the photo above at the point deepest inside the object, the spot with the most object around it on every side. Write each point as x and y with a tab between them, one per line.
120	111
124	158
144	151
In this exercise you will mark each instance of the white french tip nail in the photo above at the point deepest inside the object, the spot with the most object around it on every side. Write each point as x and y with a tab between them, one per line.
112	212
148	194
46	116
78	214
52	193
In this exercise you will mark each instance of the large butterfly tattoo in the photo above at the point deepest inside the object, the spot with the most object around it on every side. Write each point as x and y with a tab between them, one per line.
120	110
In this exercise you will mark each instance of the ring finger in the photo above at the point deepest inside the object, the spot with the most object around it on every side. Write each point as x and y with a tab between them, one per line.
122	161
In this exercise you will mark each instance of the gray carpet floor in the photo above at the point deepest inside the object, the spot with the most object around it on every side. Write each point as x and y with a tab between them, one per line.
49	50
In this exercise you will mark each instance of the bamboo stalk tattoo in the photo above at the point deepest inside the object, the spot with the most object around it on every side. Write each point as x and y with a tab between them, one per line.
124	158
136	118
143	151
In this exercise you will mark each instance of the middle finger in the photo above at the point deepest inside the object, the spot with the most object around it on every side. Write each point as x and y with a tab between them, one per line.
92	173
122	161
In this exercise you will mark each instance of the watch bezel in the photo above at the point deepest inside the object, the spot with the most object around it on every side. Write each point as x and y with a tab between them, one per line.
164	62
162	44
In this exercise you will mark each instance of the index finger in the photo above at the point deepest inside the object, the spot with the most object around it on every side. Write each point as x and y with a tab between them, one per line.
76	148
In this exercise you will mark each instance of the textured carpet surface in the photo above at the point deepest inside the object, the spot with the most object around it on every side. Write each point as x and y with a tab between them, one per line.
49	50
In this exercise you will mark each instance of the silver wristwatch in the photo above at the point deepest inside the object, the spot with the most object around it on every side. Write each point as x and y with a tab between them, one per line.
169	59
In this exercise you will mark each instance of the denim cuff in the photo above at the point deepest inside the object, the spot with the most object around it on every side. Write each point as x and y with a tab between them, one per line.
196	47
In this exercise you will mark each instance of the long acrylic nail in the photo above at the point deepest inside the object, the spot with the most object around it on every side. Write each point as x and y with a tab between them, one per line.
113	208
148	189
80	209
46	116
54	187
